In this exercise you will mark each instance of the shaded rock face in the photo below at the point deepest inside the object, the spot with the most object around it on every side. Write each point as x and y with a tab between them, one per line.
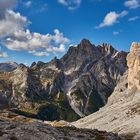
76	85
122	111
133	61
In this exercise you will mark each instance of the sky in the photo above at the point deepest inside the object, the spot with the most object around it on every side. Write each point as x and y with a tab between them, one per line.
39	30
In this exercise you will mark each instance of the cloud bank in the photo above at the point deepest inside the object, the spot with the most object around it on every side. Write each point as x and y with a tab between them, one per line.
36	42
15	35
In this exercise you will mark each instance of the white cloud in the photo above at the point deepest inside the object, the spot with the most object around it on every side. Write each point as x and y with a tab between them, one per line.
111	18
3	54
71	4
28	4
116	33
40	54
61	48
133	18
15	35
11	23
132	4
36	43
38	7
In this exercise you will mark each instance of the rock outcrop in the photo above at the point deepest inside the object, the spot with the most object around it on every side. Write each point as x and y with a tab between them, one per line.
133	61
18	127
74	86
122	112
8	66
38	131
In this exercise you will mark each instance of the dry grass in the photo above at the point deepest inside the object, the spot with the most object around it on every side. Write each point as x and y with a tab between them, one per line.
57	123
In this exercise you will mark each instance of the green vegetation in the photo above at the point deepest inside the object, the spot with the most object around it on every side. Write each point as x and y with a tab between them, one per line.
57	108
78	95
95	102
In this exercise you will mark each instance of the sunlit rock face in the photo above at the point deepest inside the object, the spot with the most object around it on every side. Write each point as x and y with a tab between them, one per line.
133	62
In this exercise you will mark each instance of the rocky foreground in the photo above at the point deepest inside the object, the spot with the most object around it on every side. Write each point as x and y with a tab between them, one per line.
40	131
17	127
122	112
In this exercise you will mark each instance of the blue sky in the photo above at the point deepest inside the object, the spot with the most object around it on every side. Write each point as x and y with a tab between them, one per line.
56	24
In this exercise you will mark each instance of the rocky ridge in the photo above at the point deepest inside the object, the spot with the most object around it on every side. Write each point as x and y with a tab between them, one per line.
8	66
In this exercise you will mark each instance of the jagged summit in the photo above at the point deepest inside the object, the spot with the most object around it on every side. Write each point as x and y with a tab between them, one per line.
85	45
33	64
107	49
135	45
85	42
56	62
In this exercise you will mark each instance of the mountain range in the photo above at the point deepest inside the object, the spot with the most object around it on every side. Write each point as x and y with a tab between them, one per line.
68	88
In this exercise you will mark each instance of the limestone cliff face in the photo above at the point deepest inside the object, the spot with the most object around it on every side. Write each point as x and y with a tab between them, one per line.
133	62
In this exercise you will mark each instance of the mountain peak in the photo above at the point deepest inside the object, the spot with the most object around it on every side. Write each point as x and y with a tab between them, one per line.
84	40
8	66
135	46
107	49
56	62
85	43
